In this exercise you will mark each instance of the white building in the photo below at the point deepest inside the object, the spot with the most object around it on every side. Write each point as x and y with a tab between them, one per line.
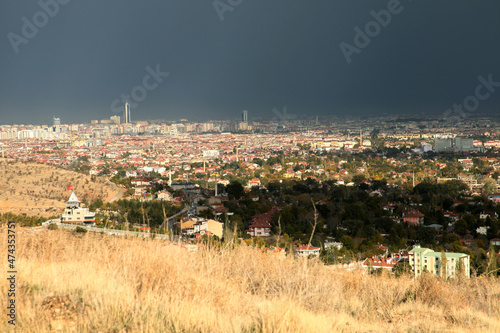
74	213
306	251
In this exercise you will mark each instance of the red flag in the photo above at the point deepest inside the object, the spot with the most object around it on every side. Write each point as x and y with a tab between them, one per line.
69	188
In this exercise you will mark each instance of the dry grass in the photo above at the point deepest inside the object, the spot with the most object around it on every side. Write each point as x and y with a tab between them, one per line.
40	190
120	285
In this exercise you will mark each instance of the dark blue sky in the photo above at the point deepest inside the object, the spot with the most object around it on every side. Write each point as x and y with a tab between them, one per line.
265	54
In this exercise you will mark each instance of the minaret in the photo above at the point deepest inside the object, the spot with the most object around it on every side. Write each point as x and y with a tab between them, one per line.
360	138
170	177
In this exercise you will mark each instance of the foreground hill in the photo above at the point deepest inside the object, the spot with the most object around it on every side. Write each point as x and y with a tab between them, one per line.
97	283
40	190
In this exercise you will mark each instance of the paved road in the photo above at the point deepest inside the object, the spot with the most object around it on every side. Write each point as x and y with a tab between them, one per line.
117	196
170	220
118	188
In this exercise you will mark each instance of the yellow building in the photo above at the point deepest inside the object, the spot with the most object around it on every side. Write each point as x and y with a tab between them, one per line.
422	259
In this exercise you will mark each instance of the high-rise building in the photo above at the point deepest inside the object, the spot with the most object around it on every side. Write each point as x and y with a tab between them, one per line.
56	121
115	119
126	113
456	145
244	116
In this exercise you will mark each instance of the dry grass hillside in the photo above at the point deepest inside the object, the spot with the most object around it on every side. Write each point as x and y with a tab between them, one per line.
97	283
40	190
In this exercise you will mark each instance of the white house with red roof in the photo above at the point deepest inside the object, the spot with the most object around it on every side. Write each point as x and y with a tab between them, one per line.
306	250
254	182
376	263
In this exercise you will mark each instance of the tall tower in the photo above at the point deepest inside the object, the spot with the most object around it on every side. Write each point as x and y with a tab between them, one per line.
244	116
126	114
56	127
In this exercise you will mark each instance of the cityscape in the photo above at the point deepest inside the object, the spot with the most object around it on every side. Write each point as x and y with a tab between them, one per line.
397	193
237	166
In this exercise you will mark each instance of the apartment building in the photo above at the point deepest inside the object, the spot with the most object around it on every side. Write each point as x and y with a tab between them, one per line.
423	259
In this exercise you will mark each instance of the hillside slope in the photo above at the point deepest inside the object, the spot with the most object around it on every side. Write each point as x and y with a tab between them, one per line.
137	285
40	190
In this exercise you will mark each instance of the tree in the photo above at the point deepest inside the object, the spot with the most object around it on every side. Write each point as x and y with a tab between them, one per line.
444	262
357	179
347	242
235	189
81	230
459	269
489	186
313	225
401	268
492	262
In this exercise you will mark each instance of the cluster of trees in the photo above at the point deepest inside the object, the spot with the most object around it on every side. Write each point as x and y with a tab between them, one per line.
23	220
135	211
357	219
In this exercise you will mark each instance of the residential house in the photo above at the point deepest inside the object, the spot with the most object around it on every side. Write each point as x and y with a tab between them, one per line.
260	225
413	217
482	230
494	197
164	195
254	182
306	251
187	227
210	227
376	263
331	244
276	251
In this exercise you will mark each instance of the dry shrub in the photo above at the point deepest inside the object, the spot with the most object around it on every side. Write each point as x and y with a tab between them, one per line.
137	285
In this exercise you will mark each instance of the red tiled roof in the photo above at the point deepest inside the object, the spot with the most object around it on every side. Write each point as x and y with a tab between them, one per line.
378	263
306	248
259	224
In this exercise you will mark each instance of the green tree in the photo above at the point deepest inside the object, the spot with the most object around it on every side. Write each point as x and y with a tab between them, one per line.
489	186
401	268
444	262
347	242
235	189
492	262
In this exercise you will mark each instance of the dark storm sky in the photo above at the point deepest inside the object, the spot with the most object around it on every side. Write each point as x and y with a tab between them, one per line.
265	54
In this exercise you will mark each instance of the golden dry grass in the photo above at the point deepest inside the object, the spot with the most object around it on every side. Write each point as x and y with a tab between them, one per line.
40	190
135	285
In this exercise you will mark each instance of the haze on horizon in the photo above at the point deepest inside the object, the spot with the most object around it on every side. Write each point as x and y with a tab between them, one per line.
262	55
